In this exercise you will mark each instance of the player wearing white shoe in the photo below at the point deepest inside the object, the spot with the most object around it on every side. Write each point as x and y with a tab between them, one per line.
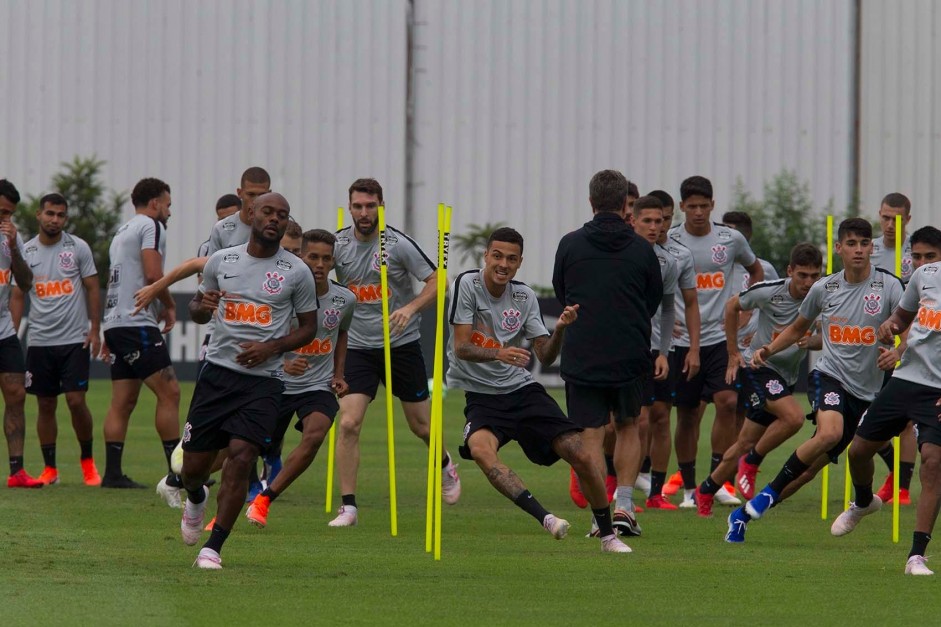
491	317
911	395
255	289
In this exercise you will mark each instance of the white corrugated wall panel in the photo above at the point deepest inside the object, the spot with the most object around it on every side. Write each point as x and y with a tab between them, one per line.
195	92
900	119
519	103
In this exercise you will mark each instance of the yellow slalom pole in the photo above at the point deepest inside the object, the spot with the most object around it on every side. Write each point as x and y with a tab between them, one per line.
332	436
896	441
439	391
438	366
825	475
387	351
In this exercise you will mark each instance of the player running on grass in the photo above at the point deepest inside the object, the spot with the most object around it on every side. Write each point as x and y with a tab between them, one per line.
911	395
491	316
255	290
313	373
772	413
851	305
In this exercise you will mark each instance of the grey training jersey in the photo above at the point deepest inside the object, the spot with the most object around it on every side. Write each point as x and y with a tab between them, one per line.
740	279
357	267
670	272
850	315
262	296
58	314
334	315
778	309
714	257
228	232
508	320
6	280
127	272
884	257
921	361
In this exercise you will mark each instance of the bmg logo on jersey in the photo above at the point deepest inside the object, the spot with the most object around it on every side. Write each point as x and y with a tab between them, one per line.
710	281
331	318
53	289
719	255
512	320
872	304
237	312
272	283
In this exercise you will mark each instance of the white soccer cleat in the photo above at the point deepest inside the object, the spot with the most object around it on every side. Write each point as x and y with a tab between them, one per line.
208	560
643	483
558	527
346	517
916	566
450	483
191	525
612	544
176	458
848	520
724	497
170	494
688	501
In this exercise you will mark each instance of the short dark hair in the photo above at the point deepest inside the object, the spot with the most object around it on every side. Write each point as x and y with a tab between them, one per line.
647	202
293	229
898	201
8	190
665	199
740	221
54	198
805	254
318	235
607	191
632	189
146	190
228	200
366	186
696	186
854	226
927	235
255	174
506	234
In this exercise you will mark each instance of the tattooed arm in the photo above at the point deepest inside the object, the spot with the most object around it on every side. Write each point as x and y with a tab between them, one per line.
466	350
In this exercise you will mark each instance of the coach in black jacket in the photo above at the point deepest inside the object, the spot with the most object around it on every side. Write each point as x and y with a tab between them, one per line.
614	277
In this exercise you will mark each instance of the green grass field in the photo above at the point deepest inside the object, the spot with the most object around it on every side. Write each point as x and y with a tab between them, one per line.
75	555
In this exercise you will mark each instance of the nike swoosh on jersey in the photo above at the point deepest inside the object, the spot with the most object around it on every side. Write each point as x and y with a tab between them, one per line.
229	276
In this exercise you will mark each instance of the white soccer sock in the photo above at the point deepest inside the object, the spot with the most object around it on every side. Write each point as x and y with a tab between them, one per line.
624	498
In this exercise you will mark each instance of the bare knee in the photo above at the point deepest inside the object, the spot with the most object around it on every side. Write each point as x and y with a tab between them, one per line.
75	401
350	427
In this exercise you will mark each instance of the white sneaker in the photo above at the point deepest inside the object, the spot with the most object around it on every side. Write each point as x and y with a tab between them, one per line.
208	559
558	527
624	523
450	483
346	517
643	483
916	566
611	544
724	497
848	520
688	501
594	532
170	494
191	525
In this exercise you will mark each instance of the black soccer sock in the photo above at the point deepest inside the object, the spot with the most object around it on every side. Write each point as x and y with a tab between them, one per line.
609	465
445	460
196	496
168	446
715	461
348	499
793	468
114	451
688	472
906	470
85	448
528	503
709	486
271	494
253	474
16	464
217	538
645	467
920	541
887	453
49	455
754	458
603	520
863	494
657	479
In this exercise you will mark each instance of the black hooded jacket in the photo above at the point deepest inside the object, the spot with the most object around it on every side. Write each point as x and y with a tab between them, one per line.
614	277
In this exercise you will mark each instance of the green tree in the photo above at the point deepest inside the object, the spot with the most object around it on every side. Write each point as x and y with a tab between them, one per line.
473	242
94	212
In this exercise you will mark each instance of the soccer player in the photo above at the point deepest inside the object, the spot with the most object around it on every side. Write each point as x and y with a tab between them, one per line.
614	277
293	238
255	290
64	324
851	305
491	316
716	249
911	395
313	373
12	367
227	205
773	414
357	267
133	343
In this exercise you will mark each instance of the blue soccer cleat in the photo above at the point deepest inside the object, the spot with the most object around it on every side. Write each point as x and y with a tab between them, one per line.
738	521
254	489
761	502
273	467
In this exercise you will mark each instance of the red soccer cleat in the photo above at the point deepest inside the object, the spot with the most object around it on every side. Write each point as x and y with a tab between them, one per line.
575	490
745	478
89	473
885	492
49	476
703	503
658	501
673	484
20	479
